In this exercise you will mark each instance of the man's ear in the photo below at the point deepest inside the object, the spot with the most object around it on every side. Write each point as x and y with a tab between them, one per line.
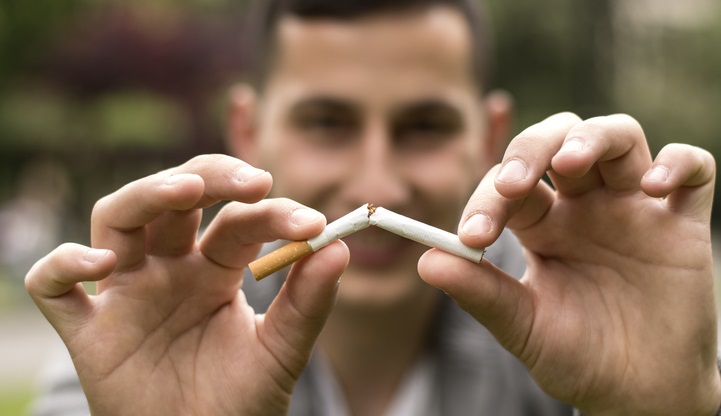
499	109
241	134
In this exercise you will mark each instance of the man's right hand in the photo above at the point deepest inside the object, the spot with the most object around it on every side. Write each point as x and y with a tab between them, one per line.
169	331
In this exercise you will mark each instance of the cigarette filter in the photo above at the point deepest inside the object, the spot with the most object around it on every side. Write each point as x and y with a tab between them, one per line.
282	257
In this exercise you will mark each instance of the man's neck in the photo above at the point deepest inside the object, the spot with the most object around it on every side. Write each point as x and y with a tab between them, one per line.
371	353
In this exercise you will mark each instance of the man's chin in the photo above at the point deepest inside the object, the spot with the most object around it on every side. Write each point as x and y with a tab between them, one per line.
369	290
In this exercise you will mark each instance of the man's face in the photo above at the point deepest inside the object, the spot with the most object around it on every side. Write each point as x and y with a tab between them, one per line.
382	110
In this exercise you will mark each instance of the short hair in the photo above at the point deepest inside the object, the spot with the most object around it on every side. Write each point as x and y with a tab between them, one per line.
266	15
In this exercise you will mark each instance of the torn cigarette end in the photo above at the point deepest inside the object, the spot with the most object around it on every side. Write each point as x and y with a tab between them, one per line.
276	260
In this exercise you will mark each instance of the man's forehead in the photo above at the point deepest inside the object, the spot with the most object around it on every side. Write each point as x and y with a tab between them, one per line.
442	23
436	38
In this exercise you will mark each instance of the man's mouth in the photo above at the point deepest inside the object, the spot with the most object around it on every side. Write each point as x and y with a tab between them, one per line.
376	248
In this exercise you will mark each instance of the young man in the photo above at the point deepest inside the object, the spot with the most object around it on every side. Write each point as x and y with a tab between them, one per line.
379	102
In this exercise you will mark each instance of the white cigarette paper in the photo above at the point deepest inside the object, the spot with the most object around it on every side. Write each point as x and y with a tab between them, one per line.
348	224
361	218
424	234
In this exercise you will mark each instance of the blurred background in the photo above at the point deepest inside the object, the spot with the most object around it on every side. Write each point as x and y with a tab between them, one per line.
94	94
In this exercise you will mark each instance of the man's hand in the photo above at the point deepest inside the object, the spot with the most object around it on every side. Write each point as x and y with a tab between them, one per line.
169	332
615	313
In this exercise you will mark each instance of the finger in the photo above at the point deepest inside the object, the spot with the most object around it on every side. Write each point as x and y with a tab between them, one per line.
226	179
54	282
685	175
529	155
488	212
297	315
499	302
609	151
173	233
118	220
239	226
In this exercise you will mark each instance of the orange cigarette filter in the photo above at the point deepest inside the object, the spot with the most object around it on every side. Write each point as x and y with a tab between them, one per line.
272	262
280	258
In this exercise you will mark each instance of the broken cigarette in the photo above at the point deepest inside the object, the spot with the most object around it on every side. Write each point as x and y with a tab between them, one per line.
290	253
424	234
357	220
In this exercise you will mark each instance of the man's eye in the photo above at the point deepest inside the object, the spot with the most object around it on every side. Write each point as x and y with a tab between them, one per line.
426	126
327	129
328	123
325	123
422	134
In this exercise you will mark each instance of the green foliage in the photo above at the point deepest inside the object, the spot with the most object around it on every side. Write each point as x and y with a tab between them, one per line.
591	57
36	119
15	401
135	118
552	55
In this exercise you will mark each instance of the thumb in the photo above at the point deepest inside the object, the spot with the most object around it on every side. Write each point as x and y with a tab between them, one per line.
297	315
495	299
54	283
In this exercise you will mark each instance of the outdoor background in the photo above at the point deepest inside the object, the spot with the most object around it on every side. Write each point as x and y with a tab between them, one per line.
96	93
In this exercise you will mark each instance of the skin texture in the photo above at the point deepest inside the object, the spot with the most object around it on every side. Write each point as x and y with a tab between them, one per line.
619	286
615	314
379	110
340	126
168	309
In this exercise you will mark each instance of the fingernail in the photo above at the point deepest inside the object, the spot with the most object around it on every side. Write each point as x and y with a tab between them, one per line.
304	216
513	171
657	174
572	145
94	254
477	225
246	173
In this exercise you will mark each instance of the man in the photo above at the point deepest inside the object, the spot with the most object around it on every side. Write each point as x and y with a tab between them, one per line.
379	102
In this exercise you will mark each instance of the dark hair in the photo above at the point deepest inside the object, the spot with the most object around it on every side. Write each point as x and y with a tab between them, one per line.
267	13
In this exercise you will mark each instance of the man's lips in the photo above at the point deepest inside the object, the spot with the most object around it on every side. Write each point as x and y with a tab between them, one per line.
374	247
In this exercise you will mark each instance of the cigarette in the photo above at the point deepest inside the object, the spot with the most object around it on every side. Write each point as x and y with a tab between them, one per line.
425	234
363	217
290	253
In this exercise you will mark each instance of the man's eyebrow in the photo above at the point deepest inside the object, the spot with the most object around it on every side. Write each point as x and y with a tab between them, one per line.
430	105
325	103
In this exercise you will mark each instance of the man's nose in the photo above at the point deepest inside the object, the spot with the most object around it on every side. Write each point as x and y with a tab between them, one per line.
377	176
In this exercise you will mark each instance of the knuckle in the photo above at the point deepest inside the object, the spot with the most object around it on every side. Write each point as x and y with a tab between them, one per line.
287	203
623	118
704	158
100	207
568	117
201	161
105	204
629	123
279	204
709	158
231	211
31	278
34	275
